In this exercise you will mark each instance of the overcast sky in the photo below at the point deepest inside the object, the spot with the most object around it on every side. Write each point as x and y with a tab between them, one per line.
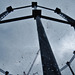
19	40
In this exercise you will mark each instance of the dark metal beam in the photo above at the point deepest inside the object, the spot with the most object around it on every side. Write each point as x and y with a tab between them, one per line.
8	10
66	17
16	19
49	63
45	8
68	63
22	7
54	19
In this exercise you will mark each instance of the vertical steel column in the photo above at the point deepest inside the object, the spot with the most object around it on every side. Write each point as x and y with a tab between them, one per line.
49	63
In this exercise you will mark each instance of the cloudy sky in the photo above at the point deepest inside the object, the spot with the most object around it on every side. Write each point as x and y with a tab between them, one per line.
19	40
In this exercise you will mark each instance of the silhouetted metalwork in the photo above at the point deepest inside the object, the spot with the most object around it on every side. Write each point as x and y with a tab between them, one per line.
34	4
24	73
16	19
58	11
68	64
69	19
4	72
72	57
33	62
21	7
54	19
45	8
49	63
8	10
28	17
64	67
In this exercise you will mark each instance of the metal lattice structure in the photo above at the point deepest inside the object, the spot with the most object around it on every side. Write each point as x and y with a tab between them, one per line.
49	64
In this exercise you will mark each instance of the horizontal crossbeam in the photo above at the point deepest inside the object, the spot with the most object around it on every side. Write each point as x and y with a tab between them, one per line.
45	8
16	19
31	16
22	7
54	19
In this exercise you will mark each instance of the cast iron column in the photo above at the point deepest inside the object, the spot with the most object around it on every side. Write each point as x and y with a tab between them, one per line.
49	63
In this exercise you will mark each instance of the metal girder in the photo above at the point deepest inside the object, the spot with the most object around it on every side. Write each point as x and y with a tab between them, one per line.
16	19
